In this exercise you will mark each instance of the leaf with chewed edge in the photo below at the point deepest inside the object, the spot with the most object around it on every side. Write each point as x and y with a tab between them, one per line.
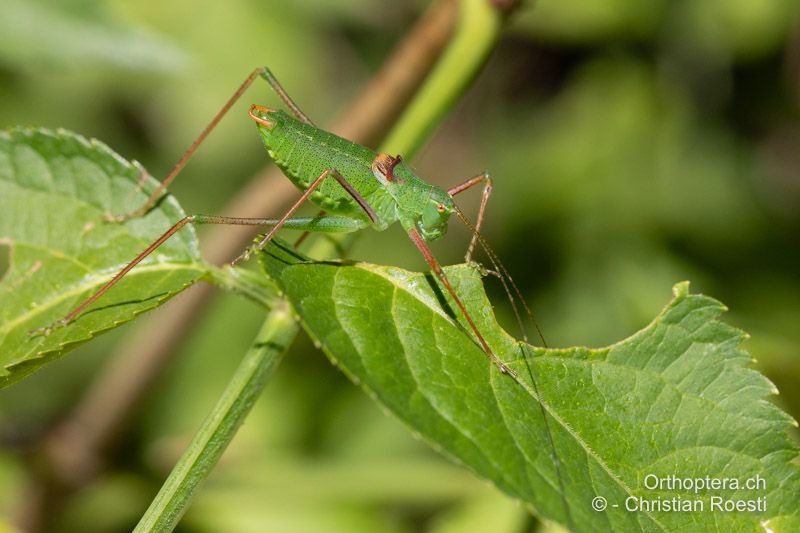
675	399
55	189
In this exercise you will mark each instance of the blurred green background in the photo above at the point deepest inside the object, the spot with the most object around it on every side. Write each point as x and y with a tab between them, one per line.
633	144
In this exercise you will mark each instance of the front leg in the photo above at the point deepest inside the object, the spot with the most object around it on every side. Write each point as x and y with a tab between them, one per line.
417	239
486	179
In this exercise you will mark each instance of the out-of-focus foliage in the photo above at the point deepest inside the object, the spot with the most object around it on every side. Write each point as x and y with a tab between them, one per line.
633	145
39	34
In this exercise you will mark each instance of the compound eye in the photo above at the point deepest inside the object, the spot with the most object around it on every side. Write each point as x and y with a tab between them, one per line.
441	208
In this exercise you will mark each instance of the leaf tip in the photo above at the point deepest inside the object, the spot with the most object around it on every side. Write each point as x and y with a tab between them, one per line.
681	289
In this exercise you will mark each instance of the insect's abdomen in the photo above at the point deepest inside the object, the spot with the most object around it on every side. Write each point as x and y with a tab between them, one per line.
304	152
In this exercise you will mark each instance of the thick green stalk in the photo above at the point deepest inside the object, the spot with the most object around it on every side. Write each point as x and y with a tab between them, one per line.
477	31
217	430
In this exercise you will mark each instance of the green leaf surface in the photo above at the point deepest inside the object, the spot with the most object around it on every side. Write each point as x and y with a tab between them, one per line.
55	188
675	399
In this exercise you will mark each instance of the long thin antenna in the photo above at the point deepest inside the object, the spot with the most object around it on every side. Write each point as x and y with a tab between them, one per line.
498	265
505	280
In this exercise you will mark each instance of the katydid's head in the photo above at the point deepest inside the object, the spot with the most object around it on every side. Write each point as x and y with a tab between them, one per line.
435	214
426	207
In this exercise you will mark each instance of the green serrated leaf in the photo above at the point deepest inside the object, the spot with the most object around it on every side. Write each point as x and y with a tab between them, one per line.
675	399
55	188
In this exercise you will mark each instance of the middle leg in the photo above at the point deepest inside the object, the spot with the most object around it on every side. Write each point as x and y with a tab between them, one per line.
373	217
325	224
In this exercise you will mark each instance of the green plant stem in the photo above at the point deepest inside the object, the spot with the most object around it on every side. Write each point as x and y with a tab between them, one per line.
477	31
217	430
475	35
